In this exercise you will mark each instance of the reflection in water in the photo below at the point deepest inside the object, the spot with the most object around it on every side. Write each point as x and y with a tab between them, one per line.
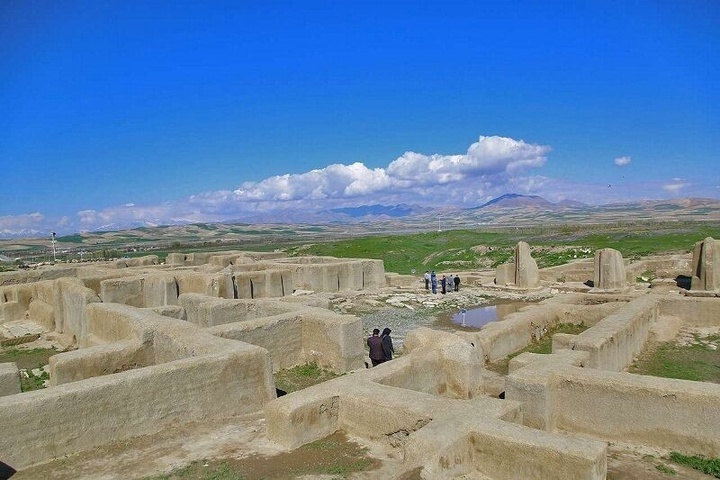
477	317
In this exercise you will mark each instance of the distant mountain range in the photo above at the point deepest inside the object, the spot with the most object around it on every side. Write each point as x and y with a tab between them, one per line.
514	200
394	211
509	209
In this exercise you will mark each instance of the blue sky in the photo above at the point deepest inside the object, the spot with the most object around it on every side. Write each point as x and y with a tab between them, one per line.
119	112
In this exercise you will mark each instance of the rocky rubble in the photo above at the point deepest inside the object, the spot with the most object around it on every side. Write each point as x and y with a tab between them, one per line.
403	310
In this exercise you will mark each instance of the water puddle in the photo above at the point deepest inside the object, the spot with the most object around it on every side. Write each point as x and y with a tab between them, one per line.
477	317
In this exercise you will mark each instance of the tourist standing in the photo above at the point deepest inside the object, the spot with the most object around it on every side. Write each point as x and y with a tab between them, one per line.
375	343
387	345
427	280
433	281
457	283
443	284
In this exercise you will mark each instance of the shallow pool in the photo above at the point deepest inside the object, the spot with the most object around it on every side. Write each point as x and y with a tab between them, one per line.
478	316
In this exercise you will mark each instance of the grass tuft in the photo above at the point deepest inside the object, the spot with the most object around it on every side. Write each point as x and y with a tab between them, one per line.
709	466
302	376
665	469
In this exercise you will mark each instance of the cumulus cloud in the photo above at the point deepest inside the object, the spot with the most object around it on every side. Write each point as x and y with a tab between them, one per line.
28	224
491	166
490	158
23	221
133	214
675	186
333	181
622	161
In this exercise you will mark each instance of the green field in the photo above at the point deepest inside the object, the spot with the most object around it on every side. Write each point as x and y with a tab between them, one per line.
453	250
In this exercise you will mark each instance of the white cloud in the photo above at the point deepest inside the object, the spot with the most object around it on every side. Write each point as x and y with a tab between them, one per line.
333	181
622	161
490	160
491	166
676	185
23	221
488	156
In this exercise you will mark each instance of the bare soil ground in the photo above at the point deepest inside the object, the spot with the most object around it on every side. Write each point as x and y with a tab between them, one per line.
232	448
635	463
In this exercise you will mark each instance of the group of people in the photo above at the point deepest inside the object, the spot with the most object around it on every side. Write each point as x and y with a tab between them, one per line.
381	346
447	284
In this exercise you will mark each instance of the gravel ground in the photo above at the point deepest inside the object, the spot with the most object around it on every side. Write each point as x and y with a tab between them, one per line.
399	320
403	311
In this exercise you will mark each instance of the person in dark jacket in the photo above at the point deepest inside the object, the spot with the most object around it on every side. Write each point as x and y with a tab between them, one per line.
387	345
457	283
377	353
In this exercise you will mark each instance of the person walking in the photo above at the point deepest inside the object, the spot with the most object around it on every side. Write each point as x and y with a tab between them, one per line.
433	281
375	343
456	280
387	344
427	280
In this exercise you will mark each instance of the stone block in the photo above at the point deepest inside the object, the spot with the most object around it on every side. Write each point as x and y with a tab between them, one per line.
9	379
505	274
609	270
526	269
128	291
43	314
706	266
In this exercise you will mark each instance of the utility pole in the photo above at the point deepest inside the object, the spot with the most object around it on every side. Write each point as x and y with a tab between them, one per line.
52	237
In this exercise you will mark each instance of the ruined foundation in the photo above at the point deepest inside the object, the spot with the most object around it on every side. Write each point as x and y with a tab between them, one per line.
198	339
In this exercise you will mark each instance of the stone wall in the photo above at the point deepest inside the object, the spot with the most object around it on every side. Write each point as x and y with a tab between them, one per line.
195	376
328	274
297	335
696	312
145	291
618	338
618	407
138	261
9	379
499	339
71	298
437	437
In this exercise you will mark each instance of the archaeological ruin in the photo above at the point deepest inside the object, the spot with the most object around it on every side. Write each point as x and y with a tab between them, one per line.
198	337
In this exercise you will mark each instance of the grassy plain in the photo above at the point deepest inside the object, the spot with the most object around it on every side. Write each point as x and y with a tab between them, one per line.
402	247
472	249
